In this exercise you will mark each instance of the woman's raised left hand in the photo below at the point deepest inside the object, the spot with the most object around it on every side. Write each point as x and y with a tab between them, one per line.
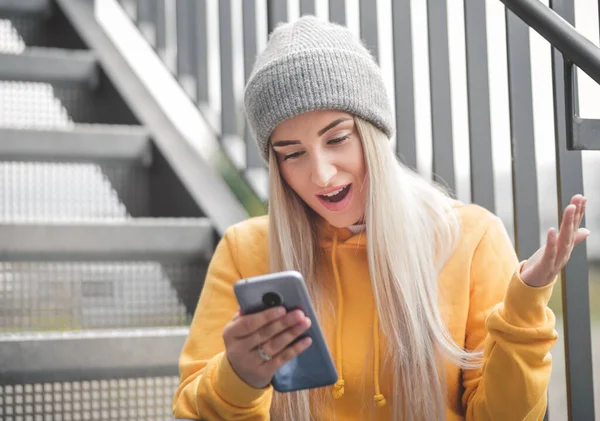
546	263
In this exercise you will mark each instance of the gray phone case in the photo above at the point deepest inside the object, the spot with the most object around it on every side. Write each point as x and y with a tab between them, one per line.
312	368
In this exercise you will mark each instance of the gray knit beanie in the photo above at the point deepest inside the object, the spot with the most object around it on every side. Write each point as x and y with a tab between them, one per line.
308	65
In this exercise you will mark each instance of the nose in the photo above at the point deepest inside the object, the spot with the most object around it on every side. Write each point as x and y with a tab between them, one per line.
323	170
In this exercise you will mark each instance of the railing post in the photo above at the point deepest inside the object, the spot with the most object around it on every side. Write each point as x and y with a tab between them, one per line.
441	103
186	46
228	106
575	276
406	147
201	65
478	91
253	158
276	13
307	7
525	189
161	29
337	11
146	19
368	26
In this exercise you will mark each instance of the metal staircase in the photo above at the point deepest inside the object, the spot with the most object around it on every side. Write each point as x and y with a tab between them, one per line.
123	157
102	247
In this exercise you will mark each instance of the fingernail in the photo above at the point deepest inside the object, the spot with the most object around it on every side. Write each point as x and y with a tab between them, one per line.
585	231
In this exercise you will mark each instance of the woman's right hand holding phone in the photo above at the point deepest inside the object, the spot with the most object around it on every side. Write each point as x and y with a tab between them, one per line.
270	331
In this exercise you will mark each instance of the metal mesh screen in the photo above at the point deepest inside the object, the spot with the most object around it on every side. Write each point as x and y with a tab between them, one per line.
10	40
132	185
44	106
31	191
31	105
146	399
29	29
42	296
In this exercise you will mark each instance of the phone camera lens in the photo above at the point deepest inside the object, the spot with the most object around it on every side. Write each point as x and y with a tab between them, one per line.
271	299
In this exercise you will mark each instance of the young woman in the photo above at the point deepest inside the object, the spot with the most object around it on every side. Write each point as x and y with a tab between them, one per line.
425	307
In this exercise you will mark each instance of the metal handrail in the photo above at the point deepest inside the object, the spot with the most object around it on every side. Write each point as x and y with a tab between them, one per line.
561	34
576	50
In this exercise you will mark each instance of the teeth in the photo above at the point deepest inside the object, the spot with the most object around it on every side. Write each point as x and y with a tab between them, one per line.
333	193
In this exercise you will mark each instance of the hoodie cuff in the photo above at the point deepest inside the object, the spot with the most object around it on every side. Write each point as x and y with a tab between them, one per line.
233	389
524	305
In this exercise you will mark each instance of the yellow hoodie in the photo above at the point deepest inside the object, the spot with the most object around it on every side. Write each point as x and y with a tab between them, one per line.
483	300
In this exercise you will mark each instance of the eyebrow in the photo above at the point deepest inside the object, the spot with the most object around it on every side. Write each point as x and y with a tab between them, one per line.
282	143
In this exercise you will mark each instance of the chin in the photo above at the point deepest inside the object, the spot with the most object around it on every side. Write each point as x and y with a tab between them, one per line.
342	221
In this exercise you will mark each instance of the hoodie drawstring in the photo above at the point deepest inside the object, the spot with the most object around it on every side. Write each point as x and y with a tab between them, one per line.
338	388
379	398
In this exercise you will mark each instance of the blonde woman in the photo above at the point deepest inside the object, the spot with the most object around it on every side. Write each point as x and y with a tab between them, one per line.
425	307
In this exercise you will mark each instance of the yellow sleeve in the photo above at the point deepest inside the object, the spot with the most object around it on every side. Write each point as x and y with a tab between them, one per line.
513	325
209	388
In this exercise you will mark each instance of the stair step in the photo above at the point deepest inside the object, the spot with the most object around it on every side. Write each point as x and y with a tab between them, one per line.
50	65
90	355
141	239
18	7
84	143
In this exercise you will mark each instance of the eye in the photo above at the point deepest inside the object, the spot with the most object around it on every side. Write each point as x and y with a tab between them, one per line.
338	140
292	155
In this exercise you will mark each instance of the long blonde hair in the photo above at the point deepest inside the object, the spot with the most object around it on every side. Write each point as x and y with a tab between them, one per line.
402	208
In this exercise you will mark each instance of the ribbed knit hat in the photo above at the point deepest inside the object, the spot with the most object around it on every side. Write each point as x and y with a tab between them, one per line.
311	64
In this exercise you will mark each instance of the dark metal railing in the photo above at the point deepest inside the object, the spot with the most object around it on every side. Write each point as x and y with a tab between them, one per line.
560	33
572	133
576	50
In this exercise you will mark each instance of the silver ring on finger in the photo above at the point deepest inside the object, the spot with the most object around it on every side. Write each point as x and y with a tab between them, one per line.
263	355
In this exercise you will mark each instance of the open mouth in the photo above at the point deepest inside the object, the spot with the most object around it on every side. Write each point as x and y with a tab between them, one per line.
337	195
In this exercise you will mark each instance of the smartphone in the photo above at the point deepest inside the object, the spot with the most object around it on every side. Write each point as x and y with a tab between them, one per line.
312	368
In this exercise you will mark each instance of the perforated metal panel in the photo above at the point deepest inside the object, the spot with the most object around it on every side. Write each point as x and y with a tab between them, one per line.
31	105
41	296
147	399
10	40
34	191
29	29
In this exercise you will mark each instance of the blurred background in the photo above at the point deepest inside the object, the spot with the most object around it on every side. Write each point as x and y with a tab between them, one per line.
124	156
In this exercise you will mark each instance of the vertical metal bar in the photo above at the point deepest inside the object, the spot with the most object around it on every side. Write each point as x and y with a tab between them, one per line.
143	14
525	190
171	35
368	26
186	50
441	105
201	25
130	7
228	108
406	146
253	158
146	18
480	131
307	7
182	11
161	29
337	11
571	102
575	276
576	311
276	13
